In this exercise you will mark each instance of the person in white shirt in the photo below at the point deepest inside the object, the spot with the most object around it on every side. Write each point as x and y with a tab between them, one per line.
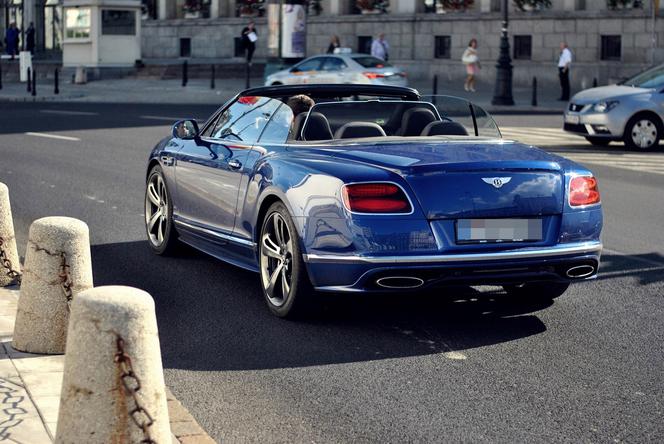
564	62
380	48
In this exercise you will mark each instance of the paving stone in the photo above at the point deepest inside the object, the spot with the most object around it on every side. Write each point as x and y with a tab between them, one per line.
7	369
186	428
197	439
28	430
6	325
43	384
39	363
48	406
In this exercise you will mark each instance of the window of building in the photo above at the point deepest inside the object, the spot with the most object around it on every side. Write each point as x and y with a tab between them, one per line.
434	6
523	47
185	47
118	22
442	46
611	47
364	44
77	23
238	48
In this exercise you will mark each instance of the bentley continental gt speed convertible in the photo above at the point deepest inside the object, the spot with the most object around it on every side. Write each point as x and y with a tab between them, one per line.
365	188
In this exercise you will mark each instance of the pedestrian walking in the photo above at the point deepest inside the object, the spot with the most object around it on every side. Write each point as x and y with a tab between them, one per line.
334	44
249	37
30	38
472	62
380	48
12	39
564	62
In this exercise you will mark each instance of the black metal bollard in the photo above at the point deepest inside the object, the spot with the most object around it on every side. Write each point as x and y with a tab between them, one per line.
435	88
185	73
28	87
247	76
533	101
594	82
0	73
56	81
34	82
212	86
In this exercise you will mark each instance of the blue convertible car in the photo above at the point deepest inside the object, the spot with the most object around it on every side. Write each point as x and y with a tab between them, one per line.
361	188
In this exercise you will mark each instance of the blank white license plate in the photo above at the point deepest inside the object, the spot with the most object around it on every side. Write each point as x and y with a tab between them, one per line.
498	230
572	118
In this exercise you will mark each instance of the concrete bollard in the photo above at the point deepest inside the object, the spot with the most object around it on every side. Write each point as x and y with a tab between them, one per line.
49	284
10	266
113	387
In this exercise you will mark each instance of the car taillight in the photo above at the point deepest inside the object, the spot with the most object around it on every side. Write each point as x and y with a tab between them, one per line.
375	198
374	75
583	190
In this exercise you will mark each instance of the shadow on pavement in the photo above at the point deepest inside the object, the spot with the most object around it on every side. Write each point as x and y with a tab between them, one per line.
212	317
648	268
51	116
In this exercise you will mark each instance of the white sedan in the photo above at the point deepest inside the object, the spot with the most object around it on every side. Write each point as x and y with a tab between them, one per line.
340	68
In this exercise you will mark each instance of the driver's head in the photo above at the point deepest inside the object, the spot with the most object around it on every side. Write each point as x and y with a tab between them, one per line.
300	103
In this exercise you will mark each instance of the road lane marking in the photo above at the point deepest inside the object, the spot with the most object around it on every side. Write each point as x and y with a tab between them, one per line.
65	112
170	119
53	136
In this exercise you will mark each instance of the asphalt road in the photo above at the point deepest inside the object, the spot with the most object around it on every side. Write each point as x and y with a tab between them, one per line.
467	365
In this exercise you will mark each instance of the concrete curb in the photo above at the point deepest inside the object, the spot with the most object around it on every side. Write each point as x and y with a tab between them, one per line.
11	99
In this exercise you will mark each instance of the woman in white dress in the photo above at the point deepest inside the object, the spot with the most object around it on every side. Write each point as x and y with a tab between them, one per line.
472	62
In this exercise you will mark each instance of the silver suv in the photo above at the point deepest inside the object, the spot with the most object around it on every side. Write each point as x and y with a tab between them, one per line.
632	111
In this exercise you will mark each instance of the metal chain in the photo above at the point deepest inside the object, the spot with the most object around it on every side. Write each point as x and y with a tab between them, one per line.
11	272
65	279
64	273
132	385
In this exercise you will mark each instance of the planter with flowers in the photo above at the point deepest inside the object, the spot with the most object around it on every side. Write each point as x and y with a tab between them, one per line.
192	8
372	6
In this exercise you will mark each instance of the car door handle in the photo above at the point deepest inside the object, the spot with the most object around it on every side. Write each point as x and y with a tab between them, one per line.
167	160
235	164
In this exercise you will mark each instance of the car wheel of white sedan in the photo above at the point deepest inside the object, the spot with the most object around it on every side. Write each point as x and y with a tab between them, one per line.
284	278
642	132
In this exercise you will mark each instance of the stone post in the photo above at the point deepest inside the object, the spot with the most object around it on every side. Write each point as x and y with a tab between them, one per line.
8	238
113	376
43	307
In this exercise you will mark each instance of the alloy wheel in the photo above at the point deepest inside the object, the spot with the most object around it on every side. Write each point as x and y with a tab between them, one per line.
276	259
644	133
156	209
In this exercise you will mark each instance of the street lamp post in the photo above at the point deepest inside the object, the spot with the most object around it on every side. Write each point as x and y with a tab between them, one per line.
503	91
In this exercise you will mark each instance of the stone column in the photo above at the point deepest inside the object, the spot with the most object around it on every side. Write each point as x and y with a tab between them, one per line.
113	375
166	9
569	5
7	235
406	6
485	5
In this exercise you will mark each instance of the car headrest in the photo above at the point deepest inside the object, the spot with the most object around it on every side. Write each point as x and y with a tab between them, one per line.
296	126
444	128
318	128
414	120
359	129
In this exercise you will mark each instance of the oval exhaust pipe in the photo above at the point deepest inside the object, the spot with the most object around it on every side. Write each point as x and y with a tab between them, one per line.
580	271
400	282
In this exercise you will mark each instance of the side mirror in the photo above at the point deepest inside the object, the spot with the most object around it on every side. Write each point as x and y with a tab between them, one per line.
185	129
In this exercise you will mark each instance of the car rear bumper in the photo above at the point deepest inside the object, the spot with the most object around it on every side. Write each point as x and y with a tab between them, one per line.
354	273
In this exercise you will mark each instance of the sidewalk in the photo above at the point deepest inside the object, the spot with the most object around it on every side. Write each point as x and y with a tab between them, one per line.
198	91
30	391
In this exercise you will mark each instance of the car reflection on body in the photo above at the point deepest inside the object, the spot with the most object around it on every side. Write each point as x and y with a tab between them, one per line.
632	112
373	189
340	68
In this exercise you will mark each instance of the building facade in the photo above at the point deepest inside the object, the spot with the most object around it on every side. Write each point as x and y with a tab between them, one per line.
610	39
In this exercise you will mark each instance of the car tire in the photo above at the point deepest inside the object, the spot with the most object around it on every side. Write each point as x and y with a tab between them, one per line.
642	132
284	279
598	141
158	210
537	291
